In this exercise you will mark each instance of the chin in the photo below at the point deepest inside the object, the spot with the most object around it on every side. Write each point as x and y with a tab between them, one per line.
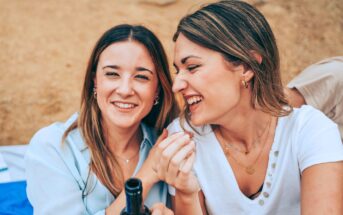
197	121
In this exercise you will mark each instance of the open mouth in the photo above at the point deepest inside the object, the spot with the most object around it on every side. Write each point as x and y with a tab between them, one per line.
193	101
124	105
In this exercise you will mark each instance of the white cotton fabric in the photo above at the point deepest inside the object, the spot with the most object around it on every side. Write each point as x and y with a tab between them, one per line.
304	138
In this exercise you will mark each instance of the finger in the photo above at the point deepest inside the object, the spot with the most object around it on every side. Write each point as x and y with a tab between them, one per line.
168	153
170	139
183	153
177	160
163	144
160	209
163	136
188	165
191	134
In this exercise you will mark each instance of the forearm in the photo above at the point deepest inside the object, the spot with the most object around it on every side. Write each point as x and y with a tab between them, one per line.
187	204
147	183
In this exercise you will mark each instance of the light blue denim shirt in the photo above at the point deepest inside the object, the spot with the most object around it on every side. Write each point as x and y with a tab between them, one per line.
57	173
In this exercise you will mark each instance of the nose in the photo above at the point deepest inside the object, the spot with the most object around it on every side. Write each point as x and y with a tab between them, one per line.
180	83
125	88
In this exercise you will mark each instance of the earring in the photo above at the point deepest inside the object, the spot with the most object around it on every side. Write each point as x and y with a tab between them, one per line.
94	92
245	84
156	100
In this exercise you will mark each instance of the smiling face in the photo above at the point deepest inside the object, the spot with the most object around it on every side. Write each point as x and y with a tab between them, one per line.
210	85
126	84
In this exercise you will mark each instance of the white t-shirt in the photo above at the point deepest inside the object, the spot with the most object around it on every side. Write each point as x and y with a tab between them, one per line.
304	138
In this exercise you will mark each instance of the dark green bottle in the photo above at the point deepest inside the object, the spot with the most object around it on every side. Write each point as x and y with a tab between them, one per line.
134	199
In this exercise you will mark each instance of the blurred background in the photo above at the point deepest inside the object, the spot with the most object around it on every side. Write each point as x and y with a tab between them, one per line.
45	46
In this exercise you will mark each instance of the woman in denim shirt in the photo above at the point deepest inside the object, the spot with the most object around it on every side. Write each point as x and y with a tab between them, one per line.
80	166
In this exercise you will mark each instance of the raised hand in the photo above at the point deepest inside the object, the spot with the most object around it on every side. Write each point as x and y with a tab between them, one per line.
147	171
177	156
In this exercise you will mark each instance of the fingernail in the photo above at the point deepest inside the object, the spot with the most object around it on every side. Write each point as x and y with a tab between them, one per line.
191	135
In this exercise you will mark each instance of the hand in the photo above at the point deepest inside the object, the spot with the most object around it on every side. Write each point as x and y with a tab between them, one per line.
147	172
177	156
160	209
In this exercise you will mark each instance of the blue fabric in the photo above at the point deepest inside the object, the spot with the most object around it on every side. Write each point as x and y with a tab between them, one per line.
13	199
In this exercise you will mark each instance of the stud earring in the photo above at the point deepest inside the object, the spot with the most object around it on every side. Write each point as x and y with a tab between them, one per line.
245	84
94	92
156	100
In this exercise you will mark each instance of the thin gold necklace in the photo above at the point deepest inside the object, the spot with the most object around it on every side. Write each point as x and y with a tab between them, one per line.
245	152
250	169
127	160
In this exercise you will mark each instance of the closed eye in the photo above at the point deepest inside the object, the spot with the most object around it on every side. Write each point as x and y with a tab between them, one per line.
142	77
114	74
192	67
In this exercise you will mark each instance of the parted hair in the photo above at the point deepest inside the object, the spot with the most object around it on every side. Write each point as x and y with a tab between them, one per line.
237	30
103	164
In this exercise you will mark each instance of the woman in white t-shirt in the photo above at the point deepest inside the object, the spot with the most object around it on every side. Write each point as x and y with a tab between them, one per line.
249	151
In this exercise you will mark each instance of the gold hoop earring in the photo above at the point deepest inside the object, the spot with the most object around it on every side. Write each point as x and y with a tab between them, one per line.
245	84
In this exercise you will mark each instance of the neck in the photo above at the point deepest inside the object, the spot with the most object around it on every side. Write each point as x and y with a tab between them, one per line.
122	140
244	128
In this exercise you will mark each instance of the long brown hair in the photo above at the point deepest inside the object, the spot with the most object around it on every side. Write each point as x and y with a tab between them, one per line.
236	30
103	163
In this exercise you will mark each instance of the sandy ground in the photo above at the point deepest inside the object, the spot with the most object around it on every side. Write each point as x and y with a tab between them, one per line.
45	46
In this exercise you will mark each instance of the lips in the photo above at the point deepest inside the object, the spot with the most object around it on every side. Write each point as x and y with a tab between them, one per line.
193	101
124	105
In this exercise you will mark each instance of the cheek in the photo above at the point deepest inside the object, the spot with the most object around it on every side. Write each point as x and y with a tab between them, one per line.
147	93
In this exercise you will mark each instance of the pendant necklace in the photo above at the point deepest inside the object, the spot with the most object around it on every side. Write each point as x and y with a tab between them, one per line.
249	169
127	160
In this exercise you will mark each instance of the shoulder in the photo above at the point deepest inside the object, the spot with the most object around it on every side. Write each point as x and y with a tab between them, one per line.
326	68
314	138
307	115
325	74
304	121
49	139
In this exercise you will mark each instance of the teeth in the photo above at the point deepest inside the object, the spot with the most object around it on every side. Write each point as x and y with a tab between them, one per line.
124	105
194	99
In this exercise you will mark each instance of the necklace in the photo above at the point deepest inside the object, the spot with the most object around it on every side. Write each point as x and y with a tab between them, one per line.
127	160
250	169
247	151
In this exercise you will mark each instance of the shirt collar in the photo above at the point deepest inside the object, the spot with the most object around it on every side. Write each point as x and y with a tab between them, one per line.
149	134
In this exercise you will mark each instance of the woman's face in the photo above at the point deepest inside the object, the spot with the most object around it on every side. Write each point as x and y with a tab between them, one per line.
210	85
126	84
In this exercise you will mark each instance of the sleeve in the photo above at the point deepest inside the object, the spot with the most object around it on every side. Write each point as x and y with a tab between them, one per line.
321	84
318	141
51	187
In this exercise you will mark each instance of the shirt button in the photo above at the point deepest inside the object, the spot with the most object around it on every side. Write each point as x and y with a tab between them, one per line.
265	194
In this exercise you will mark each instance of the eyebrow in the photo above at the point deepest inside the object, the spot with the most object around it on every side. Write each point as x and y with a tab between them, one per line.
111	66
184	60
144	69
137	68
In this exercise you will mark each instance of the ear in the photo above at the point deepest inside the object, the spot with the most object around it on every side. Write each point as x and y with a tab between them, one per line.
257	56
247	75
